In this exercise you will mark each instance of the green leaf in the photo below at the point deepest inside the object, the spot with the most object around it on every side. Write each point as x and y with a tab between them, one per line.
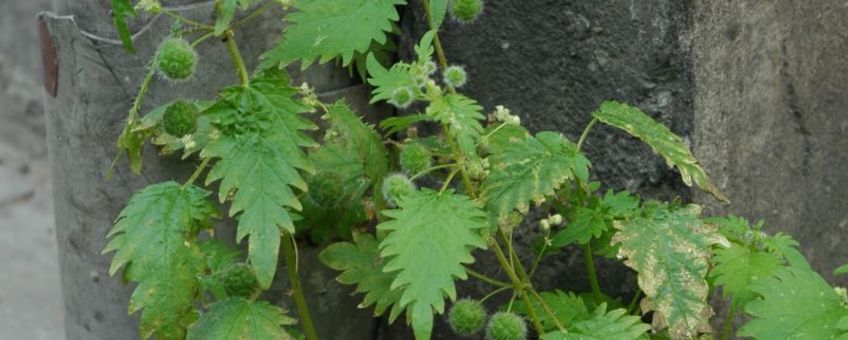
602	325
241	319
429	239
586	224
226	11
361	265
386	82
531	169
737	268
567	307
438	9
669	248
360	139
660	139
842	270
132	143
218	254
796	303
398	124
500	136
154	239
462	116
121	9
326	29
258	152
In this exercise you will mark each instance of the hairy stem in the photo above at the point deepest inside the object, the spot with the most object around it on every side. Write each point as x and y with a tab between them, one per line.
440	52
493	293
132	116
631	308
460	162
186	20
197	172
518	284
433	168
238	60
548	310
590	267
289	248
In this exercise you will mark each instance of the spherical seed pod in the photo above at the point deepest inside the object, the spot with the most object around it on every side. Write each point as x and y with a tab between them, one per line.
176	59
467	317
455	76
402	97
240	281
506	326
414	158
466	10
180	118
395	186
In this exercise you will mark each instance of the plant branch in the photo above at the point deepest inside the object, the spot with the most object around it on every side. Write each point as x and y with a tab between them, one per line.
631	308
238	60
728	321
197	172
428	170
289	249
590	267
548	310
440	52
187	20
586	133
487	279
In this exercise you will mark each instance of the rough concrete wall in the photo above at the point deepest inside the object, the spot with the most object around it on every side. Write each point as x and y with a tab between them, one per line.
770	117
30	296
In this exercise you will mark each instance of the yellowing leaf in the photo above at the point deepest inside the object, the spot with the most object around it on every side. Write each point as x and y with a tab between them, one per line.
669	248
660	139
154	238
530	169
429	238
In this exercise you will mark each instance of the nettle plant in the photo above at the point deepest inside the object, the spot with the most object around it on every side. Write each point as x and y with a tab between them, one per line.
486	171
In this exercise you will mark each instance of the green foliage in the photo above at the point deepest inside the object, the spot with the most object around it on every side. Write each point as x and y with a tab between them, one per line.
669	248
796	303
121	9
660	139
239	280
506	326
843	269
258	152
324	30
594	220
603	325
738	268
438	10
361	265
226	10
154	239
429	238
238	318
461	115
530	170
467	317
566	307
414	158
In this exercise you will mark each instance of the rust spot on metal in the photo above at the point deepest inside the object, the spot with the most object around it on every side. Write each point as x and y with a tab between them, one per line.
49	63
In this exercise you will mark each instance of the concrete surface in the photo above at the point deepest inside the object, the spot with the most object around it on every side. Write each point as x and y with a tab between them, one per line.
30	295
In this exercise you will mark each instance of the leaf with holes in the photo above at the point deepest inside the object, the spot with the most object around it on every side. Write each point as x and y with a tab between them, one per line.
258	154
669	248
326	29
660	139
154	239
530	170
429	238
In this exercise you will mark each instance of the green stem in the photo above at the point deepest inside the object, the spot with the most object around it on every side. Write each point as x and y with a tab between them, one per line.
493	293
238	61
187	20
253	15
202	39
428	170
548	310
728	321
586	133
460	162
133	113
440	52
448	180
590	267
197	172
631	308
289	248
487	279
518	284
538	258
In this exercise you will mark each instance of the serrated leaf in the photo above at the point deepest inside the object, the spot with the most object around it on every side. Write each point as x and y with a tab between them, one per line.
591	222
500	136
387	81
326	29
359	138
796	303
429	239
843	269
530	170
397	124
241	319
567	307
361	265
462	116
438	9
602	325
664	142
737	268
258	154
121	9
154	238
669	248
